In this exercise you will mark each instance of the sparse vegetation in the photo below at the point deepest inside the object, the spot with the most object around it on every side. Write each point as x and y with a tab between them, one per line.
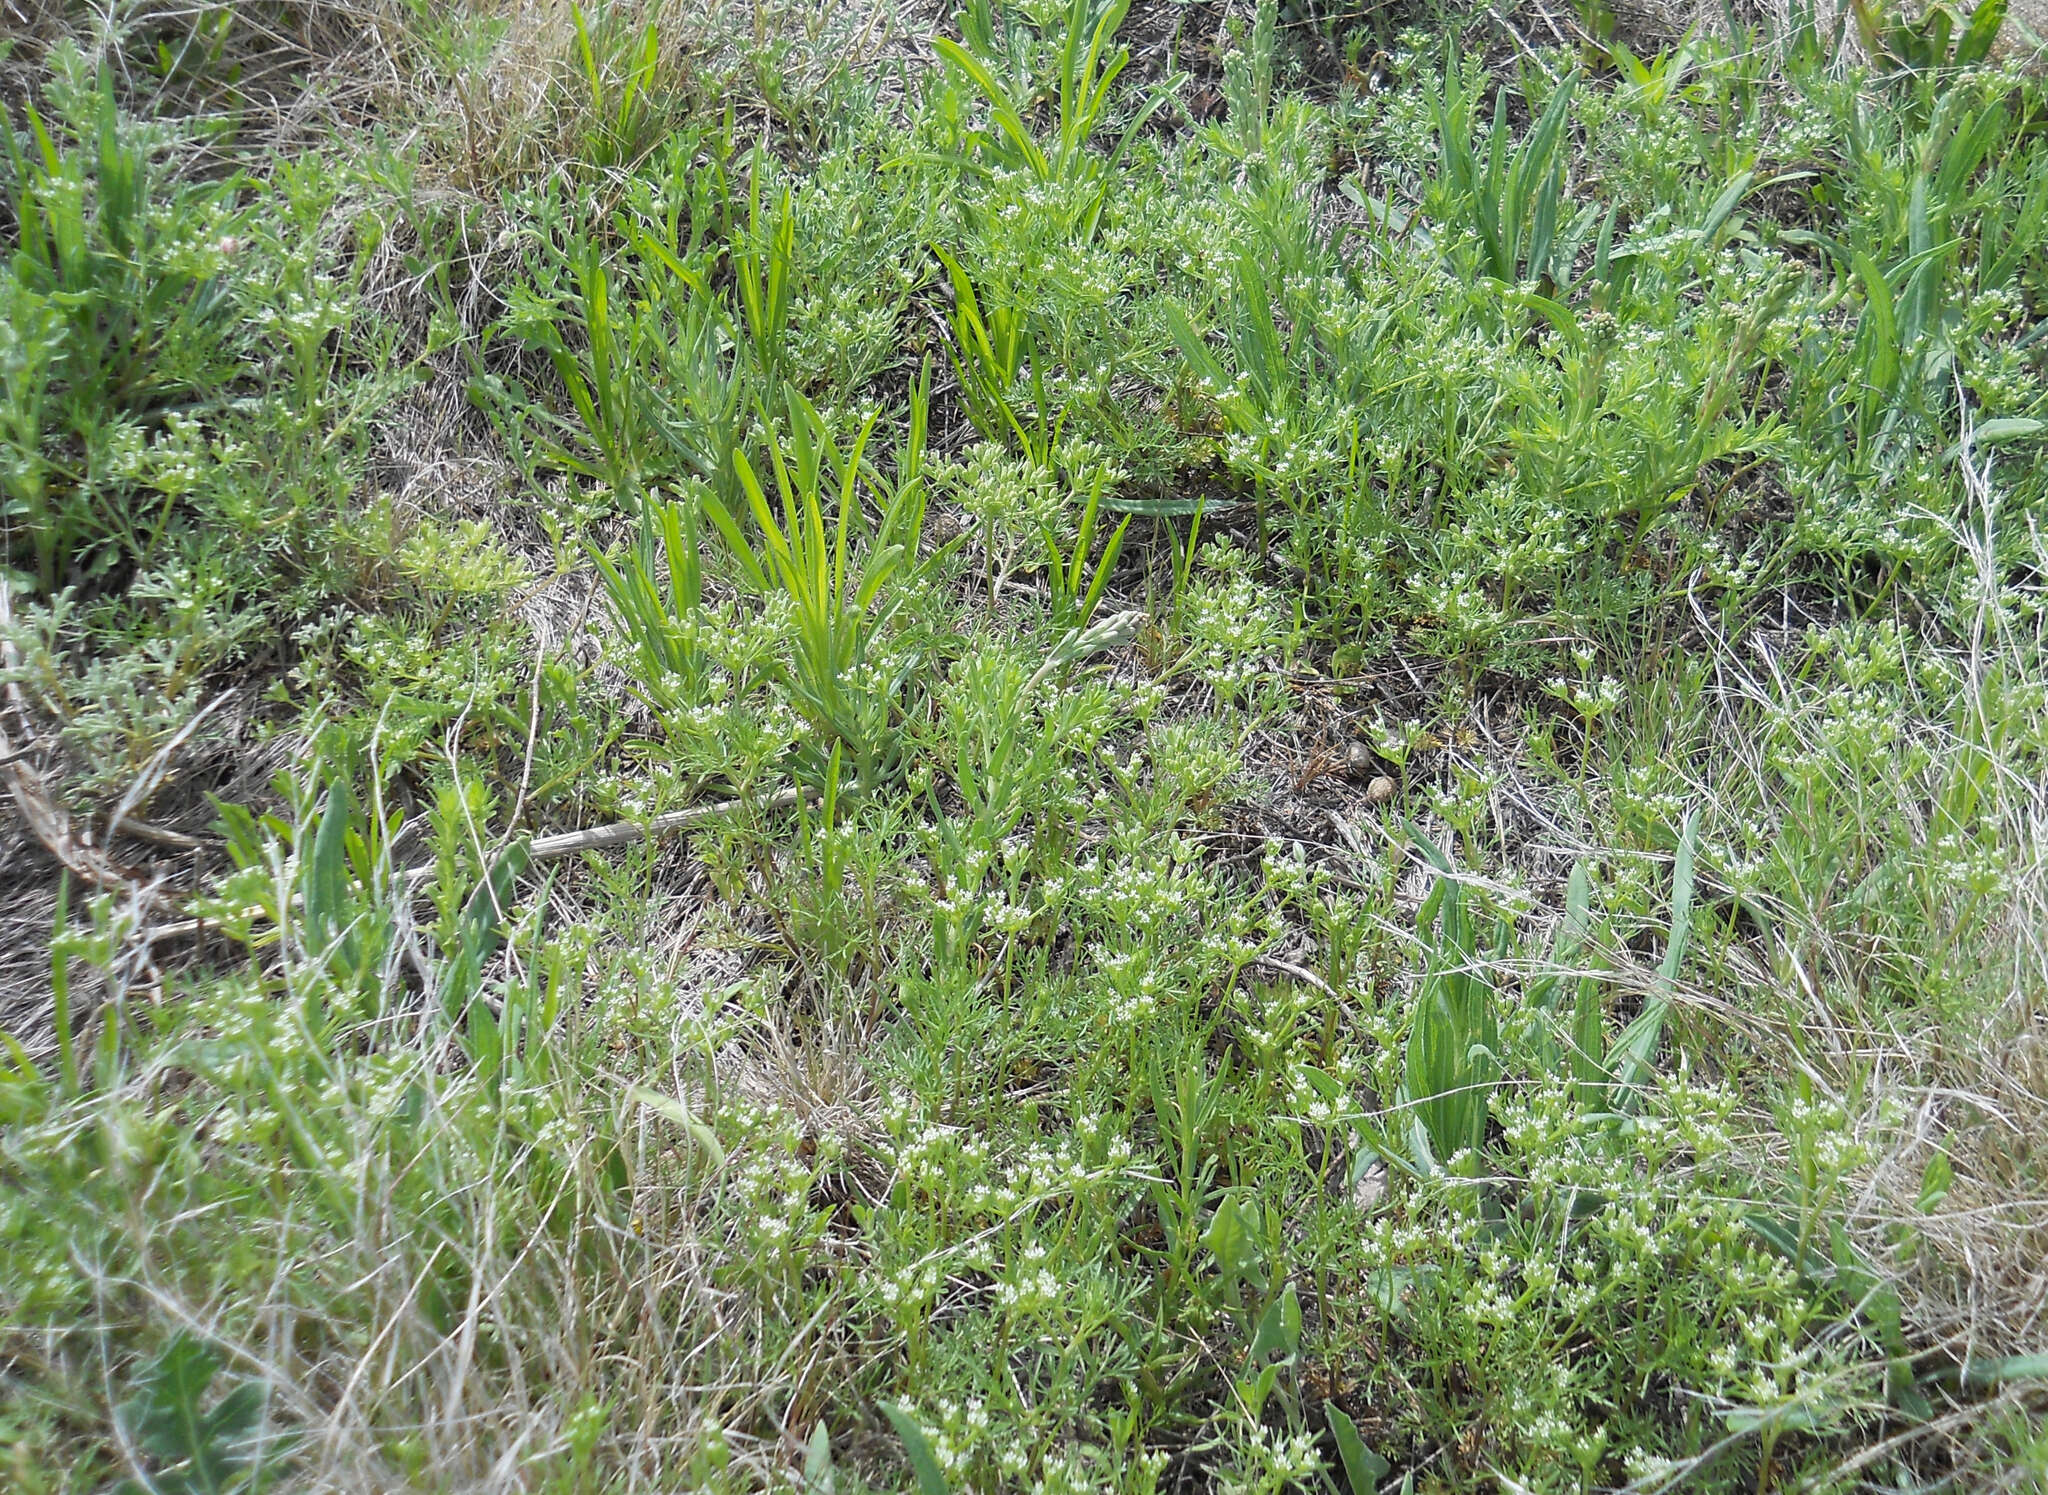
1081	746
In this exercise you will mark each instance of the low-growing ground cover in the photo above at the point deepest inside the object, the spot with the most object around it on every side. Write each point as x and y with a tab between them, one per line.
1049	749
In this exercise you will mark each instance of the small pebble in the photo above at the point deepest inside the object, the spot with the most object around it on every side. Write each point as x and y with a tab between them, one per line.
1379	791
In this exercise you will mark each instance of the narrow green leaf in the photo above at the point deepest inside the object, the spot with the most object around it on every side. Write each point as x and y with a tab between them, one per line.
674	1110
2005	1371
1724	206
1681	897
1935	1179
820	1478
324	882
1880	329
729	530
2006	428
1633	1055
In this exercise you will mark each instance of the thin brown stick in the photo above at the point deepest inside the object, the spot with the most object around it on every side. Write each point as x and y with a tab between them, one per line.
1299	973
152	776
163	835
626	832
552	848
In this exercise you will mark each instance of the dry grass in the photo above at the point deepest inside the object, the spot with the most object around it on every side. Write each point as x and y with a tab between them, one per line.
1960	1074
281	74
523	104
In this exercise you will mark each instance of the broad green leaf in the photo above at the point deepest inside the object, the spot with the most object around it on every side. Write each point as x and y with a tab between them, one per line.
820	1478
931	1480
1935	1179
1279	1331
1363	1469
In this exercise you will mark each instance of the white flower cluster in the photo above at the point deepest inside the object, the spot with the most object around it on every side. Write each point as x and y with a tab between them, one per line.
1135	983
1029	1287
960	1431
1235	633
1145	893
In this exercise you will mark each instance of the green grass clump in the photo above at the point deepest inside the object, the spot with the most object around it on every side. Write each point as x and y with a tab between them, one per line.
1308	760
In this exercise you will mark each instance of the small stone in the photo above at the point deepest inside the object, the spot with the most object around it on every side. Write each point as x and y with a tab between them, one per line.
1379	791
1370	1187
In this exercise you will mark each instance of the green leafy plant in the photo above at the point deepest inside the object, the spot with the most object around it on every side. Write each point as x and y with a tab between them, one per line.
1634	1053
116	305
1654	85
836	589
1510	199
653	392
1262	401
1938	38
1571	1039
1452	1058
222	1449
1905	347
992	345
1087	70
606	388
764	267
1076	591
657	595
619	131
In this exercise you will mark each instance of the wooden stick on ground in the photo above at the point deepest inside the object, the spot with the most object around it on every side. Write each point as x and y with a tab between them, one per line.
551	848
626	832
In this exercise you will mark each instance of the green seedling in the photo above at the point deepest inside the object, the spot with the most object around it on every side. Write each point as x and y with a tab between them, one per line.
1088	69
1452	1057
835	587
1511	198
